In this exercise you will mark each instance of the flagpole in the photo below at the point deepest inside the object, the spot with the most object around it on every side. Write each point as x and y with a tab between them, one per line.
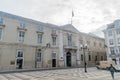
72	13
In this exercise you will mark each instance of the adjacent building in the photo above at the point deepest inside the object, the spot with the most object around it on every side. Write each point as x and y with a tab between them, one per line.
112	39
28	44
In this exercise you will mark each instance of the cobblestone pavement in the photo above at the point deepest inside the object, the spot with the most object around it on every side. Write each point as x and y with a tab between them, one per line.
63	74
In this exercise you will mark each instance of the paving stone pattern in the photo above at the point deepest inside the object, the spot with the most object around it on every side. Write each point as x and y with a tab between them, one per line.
63	74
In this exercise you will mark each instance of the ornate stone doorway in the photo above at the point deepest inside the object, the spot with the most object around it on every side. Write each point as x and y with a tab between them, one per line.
68	59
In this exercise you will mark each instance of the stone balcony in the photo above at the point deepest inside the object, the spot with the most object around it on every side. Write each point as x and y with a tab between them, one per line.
69	47
54	34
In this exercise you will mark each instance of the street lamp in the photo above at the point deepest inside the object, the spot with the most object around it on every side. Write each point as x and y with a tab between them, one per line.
83	47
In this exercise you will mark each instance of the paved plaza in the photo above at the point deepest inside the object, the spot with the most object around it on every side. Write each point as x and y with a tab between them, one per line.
62	74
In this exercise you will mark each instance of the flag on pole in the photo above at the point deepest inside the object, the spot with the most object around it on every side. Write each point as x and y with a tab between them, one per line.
72	13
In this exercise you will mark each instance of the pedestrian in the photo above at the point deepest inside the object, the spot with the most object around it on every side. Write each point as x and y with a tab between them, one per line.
112	70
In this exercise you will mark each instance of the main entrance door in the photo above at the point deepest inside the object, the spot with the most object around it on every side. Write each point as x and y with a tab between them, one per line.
53	62
68	59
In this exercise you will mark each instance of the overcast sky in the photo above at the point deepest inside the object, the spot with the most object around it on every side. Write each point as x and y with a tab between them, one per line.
88	14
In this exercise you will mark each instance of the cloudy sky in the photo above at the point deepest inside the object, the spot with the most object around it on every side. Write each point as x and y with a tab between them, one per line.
88	14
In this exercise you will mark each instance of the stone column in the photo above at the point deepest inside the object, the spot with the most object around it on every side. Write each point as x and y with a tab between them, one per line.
78	52
61	53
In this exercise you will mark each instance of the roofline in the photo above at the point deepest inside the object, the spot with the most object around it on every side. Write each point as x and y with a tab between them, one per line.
20	18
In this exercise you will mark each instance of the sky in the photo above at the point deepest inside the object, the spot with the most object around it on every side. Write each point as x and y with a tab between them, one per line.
89	15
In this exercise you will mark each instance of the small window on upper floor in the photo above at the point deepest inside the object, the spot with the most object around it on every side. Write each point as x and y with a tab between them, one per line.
111	41
109	33
40	28
1	20
21	36
22	25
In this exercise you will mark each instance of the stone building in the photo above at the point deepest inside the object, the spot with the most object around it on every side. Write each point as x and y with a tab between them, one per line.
112	39
96	49
28	44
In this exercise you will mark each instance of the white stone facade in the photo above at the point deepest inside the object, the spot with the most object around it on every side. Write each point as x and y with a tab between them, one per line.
28	44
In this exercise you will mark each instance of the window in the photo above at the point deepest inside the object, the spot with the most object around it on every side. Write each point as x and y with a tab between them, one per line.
19	53
39	55
118	31
118	40
81	57
39	38
89	58
111	41
21	36
22	25
109	33
69	40
53	55
112	50
40	28
0	33
116	50
54	40
1	20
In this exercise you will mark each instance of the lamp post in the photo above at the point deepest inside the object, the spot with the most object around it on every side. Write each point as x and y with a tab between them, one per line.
83	47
